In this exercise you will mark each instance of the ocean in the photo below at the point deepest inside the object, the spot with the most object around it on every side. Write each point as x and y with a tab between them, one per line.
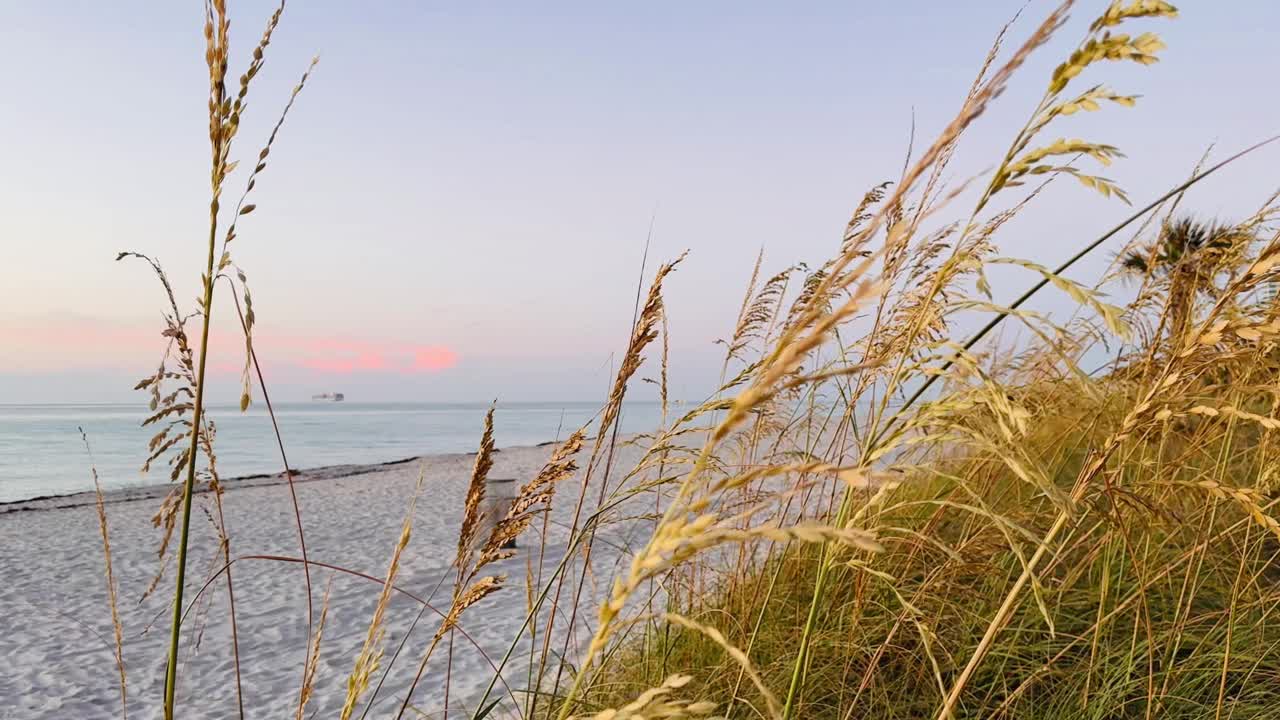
42	452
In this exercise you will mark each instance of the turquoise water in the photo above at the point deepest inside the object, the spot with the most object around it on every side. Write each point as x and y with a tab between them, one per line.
42	453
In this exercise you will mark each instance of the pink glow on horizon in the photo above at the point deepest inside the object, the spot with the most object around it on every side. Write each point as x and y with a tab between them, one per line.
431	359
336	355
58	342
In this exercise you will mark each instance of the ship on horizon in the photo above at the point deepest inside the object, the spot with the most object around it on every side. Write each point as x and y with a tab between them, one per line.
335	397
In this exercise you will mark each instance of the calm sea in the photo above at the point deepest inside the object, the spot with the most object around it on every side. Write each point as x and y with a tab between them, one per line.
42	453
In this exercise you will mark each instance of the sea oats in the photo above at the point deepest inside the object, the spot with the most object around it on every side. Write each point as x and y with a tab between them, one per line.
473	508
532	498
312	665
757	318
655	703
371	652
116	627
738	656
847	523
224	118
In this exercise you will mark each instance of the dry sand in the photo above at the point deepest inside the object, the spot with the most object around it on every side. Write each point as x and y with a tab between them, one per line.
56	657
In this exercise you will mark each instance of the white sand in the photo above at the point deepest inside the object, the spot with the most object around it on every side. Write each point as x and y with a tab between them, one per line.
56	659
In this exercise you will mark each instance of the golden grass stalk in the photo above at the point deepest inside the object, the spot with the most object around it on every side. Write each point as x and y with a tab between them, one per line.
656	703
736	654
465	593
677	538
533	497
473	510
117	628
1176	372
370	657
215	57
643	332
224	123
312	665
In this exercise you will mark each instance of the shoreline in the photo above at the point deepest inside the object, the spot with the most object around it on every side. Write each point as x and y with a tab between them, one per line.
155	491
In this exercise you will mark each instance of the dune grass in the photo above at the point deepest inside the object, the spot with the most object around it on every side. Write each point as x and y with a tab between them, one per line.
879	515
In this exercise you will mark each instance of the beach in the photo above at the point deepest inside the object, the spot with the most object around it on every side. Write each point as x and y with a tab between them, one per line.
640	361
56	648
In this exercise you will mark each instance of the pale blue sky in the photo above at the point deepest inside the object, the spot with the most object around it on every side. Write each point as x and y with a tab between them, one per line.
480	176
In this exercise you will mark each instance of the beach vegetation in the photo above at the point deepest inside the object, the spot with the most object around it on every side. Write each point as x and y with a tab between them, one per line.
887	509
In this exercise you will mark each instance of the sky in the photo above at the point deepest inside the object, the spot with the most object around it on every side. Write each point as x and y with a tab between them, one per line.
457	206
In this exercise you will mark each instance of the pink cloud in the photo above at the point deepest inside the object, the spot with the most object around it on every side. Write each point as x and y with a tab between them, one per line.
65	341
62	341
337	355
431	359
